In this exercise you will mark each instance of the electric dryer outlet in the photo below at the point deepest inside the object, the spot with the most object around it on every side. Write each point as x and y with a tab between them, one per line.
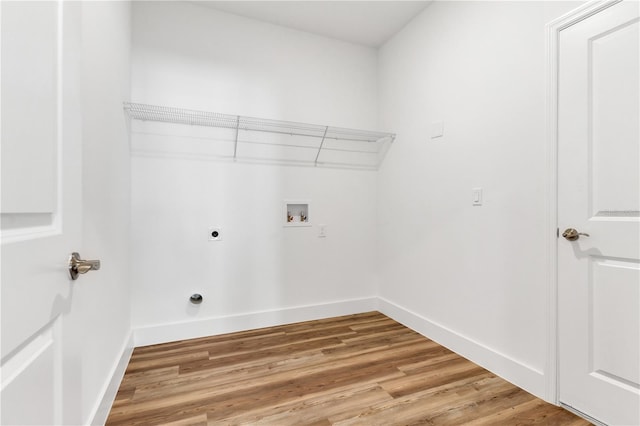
215	234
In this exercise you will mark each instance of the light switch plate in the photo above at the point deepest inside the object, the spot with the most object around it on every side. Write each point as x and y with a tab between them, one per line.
476	196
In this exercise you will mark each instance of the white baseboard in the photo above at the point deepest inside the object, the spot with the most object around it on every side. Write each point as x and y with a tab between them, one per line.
101	411
163	333
512	370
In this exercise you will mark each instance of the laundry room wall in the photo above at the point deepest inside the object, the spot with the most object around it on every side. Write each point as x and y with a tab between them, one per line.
473	277
260	272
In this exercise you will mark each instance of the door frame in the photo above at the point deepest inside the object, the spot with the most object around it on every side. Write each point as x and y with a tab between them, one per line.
552	33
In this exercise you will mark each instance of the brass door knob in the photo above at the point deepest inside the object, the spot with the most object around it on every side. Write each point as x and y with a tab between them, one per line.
572	234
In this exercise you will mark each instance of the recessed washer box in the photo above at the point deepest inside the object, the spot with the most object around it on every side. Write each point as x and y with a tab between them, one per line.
297	213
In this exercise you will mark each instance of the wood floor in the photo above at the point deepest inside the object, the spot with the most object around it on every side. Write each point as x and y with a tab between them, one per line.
363	369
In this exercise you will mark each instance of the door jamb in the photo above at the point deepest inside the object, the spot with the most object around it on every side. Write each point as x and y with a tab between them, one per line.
552	35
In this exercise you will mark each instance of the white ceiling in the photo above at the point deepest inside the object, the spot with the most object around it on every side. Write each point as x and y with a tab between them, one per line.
368	23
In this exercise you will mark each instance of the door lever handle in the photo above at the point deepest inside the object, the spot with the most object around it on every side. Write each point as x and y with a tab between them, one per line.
79	266
572	234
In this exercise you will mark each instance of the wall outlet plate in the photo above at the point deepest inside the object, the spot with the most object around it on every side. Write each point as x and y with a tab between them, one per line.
437	129
215	234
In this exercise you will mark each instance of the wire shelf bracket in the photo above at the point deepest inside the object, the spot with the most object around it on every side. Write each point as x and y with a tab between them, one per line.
235	143
320	147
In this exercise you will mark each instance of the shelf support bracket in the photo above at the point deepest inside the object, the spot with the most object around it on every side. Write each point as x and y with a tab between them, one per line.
235	144
320	147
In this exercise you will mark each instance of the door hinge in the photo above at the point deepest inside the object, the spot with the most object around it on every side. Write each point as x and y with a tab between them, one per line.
557	232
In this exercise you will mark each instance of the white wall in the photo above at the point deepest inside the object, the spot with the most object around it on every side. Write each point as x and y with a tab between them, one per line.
474	277
97	330
186	55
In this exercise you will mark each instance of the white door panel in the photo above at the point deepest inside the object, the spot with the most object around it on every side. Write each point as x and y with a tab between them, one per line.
29	106
41	210
599	194
32	375
615	293
615	152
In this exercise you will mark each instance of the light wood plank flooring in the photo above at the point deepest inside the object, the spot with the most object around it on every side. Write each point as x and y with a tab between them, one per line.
363	369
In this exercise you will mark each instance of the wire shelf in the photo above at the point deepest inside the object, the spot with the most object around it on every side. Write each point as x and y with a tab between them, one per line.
329	143
165	114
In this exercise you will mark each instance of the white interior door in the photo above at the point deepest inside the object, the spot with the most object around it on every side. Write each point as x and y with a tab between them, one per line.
599	195
41	210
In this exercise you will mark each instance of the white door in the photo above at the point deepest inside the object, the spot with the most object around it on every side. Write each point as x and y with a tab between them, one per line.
41	210
599	195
